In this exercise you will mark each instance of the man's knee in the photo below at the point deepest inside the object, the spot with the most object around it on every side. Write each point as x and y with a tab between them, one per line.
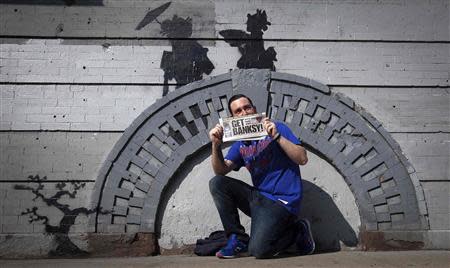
216	183
261	251
262	243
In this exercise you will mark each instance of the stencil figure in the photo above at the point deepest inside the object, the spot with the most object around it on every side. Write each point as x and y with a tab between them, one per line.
188	60
251	46
63	247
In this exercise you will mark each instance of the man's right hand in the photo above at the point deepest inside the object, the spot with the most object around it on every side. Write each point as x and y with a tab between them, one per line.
220	166
216	134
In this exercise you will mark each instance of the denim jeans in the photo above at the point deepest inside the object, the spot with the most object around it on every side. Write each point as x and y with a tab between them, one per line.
273	227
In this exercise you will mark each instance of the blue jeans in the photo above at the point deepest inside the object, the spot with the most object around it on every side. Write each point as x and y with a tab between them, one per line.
273	227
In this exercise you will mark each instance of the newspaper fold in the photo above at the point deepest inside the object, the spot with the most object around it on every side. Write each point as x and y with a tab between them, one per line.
243	128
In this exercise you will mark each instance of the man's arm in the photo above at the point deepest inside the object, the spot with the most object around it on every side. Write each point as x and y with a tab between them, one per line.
294	151
219	164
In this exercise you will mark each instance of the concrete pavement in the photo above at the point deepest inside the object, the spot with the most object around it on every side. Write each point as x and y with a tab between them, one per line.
346	259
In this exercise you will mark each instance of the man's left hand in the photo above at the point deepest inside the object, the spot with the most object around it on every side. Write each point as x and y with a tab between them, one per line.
270	127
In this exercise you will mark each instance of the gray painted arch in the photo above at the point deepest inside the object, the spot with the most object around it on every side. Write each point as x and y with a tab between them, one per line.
132	178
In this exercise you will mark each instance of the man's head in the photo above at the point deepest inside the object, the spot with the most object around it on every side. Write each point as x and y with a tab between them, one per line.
240	105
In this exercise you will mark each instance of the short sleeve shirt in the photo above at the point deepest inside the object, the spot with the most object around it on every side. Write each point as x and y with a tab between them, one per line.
273	173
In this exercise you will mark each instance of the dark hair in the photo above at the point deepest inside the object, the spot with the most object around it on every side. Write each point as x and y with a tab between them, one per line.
235	97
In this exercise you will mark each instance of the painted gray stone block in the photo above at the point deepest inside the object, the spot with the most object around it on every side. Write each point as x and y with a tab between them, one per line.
143	186
119	210
137	202
104	220
121	192
345	100
133	219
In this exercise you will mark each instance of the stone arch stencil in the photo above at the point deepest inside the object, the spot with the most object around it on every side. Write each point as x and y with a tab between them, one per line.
154	146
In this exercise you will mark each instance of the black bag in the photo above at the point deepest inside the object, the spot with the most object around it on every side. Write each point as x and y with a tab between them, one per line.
211	244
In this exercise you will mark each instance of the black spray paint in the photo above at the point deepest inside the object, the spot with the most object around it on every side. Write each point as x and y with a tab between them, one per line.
188	60
63	245
251	46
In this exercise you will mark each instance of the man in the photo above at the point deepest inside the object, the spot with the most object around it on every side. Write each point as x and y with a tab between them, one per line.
274	199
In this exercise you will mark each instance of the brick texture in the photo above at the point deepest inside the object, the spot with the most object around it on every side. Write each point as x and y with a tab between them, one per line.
327	62
61	113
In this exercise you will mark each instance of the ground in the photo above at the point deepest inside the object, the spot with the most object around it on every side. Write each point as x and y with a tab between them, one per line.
346	259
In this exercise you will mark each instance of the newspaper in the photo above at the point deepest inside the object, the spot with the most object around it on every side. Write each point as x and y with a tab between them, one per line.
243	128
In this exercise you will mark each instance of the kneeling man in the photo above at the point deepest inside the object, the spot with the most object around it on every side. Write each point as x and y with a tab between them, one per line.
273	201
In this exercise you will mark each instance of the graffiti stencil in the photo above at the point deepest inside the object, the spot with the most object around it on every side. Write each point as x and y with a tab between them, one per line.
188	60
63	245
251	45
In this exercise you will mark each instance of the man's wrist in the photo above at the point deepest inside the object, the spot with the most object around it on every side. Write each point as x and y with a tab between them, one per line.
217	146
276	137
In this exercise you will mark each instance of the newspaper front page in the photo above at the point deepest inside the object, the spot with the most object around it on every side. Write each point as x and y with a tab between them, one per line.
243	128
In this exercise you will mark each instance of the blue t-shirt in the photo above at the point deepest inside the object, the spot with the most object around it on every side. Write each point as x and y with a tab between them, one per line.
273	173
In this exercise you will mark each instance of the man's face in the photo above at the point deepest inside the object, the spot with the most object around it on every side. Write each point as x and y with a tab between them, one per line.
241	107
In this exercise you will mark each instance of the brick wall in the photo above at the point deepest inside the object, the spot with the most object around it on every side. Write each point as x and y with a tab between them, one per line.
73	78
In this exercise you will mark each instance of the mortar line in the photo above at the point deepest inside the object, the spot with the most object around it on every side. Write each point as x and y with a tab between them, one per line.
175	84
319	40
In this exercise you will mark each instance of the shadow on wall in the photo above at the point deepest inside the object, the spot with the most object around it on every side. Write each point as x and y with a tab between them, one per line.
328	225
330	229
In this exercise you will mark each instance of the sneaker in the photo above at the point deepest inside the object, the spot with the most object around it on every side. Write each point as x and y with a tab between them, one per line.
305	241
233	249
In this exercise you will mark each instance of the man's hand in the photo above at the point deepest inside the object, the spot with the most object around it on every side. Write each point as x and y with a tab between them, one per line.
270	127
294	151
216	134
219	165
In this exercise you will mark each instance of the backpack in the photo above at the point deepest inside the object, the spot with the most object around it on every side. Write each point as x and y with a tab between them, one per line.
211	244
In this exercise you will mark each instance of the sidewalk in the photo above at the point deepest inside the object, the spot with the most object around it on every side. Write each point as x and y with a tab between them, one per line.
346	259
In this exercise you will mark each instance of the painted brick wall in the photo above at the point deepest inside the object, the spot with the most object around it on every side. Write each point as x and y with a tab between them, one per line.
73	78
337	63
